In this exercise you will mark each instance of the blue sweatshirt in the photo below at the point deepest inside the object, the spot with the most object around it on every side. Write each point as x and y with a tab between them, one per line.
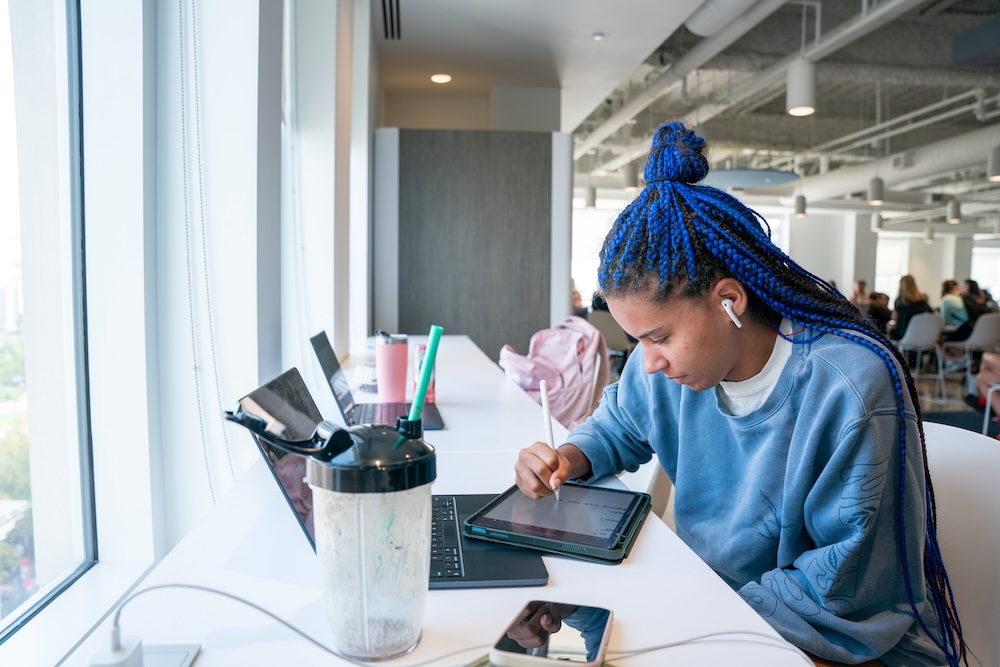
793	505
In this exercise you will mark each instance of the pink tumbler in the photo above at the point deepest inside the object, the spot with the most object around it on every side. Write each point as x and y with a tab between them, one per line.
390	367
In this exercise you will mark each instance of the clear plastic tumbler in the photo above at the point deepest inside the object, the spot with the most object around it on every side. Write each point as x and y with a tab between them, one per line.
372	512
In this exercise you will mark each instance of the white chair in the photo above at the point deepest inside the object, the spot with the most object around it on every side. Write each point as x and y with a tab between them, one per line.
921	335
985	336
965	466
988	412
660	489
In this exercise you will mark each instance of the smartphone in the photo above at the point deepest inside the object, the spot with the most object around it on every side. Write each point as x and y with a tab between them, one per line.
550	633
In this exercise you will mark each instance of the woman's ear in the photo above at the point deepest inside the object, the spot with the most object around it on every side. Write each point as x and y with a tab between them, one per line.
730	288
731	296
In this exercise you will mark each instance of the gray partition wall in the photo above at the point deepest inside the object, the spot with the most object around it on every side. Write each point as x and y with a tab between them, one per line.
466	233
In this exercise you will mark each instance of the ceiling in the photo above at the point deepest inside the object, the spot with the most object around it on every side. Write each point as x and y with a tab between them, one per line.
906	90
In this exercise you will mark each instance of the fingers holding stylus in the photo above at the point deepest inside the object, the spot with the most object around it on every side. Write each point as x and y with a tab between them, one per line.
538	469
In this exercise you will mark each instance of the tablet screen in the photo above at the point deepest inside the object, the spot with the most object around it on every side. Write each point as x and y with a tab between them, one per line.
586	515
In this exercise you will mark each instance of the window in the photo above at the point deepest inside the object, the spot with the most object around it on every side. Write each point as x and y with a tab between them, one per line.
890	265
590	226
45	494
986	269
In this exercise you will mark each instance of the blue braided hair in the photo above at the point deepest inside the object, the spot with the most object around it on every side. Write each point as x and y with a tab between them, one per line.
688	237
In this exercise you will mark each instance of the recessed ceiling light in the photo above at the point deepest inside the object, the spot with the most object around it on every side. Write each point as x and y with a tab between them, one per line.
440	78
597	36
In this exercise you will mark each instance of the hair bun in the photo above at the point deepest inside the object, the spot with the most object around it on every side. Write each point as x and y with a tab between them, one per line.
676	155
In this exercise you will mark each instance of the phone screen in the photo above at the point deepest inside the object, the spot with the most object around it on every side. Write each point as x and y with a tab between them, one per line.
556	631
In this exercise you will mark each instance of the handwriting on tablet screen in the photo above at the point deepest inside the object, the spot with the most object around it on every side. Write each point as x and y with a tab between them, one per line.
580	510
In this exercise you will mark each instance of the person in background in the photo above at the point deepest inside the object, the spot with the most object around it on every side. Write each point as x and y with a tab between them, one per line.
859	297
578	308
598	302
953	312
990	302
974	300
786	421
878	310
910	301
955	320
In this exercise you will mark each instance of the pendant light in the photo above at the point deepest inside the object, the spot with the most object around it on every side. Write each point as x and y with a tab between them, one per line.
876	191
800	92
800	206
993	165
876	222
929	234
630	175
591	197
800	81
954	212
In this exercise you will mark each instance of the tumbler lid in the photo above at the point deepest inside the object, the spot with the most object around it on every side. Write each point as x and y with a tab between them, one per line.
379	460
384	338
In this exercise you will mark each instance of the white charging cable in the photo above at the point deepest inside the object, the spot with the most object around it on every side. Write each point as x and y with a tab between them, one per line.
131	648
738	636
117	646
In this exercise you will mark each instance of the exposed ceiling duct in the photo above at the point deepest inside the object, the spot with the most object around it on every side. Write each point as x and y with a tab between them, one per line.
841	36
715	15
953	154
696	57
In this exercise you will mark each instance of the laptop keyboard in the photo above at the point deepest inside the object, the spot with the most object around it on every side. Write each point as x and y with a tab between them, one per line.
363	378
446	544
379	413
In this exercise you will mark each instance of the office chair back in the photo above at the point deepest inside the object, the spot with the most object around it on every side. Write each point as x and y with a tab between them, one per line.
985	333
965	467
921	333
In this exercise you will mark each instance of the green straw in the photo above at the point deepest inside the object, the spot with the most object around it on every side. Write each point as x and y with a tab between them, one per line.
425	373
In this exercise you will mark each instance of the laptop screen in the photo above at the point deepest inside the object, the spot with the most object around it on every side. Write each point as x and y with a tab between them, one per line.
287	406
335	375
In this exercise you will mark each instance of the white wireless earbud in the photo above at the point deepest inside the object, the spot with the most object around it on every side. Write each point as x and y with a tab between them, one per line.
727	305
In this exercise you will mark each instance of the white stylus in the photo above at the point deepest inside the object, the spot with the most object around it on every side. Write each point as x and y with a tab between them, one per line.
547	416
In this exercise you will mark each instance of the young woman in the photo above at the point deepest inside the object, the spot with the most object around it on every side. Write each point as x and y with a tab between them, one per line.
910	301
788	424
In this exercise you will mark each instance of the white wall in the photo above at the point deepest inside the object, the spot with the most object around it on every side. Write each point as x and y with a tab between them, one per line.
526	108
453	112
860	246
817	243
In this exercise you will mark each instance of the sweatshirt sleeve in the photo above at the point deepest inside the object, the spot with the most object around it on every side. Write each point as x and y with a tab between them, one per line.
845	597
617	436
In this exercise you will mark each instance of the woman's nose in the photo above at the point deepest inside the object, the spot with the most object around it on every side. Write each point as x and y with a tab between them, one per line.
652	360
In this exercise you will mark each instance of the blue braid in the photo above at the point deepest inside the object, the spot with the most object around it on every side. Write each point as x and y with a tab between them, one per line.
689	237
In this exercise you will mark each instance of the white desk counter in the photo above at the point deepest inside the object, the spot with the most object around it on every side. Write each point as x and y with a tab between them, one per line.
251	546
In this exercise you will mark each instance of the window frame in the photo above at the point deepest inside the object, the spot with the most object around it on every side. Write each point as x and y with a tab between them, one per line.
127	536
78	321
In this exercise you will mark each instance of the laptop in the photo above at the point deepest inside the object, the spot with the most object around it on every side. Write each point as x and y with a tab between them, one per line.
456	561
365	413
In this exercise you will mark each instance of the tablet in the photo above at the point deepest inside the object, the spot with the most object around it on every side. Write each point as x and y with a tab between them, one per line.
589	522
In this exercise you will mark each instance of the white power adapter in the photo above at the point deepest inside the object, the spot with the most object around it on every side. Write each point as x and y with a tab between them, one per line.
122	652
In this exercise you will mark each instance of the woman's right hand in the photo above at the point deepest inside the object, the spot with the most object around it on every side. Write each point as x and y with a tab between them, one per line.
540	469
